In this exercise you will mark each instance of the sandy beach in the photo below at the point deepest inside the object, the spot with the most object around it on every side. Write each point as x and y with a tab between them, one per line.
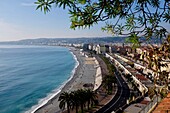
87	72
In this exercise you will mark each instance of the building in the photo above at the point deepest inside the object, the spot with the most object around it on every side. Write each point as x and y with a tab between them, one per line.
85	47
90	47
102	49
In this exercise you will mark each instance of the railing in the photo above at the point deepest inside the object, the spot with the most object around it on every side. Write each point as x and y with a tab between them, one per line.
148	108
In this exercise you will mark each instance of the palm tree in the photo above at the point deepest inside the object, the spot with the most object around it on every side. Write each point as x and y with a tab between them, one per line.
82	98
65	99
76	101
91	97
108	80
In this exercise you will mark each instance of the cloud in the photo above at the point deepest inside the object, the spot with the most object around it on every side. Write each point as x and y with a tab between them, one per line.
28	4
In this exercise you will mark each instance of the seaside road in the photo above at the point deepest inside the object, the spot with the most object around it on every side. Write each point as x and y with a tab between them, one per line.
120	99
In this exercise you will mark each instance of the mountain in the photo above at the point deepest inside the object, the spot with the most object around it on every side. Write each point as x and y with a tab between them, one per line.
55	41
46	41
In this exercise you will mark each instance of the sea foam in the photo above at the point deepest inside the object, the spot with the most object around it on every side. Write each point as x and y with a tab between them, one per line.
55	92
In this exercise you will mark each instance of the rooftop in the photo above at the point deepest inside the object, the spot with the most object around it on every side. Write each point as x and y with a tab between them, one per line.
141	77
163	106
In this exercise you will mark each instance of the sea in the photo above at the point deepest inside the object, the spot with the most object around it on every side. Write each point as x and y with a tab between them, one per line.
31	75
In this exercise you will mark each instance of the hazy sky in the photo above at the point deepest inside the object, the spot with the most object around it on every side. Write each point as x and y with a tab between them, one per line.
20	20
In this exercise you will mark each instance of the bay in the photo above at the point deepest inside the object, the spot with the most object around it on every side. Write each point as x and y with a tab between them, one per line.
30	73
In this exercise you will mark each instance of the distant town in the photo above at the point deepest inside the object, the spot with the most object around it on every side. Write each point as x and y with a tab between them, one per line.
132	64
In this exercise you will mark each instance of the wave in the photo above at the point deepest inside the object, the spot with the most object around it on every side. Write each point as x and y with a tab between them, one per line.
55	92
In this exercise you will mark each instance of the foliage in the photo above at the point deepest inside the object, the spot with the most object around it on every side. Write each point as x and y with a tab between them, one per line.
108	81
110	66
76	99
150	92
141	18
65	99
129	77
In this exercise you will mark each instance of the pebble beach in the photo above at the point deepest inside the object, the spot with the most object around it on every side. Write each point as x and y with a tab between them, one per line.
87	75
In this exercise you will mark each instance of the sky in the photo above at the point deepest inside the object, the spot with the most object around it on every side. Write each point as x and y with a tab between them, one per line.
19	19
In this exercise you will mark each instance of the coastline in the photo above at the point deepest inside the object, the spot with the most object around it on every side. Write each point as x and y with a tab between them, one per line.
85	72
55	93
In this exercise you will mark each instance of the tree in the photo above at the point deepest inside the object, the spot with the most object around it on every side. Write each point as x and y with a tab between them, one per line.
108	81
65	99
91	97
142	18
76	101
82	98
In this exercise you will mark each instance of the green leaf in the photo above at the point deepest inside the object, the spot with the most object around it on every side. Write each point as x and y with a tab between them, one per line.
166	17
82	1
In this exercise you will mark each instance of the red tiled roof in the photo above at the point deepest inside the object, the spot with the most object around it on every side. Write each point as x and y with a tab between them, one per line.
168	95
141	77
164	106
144	102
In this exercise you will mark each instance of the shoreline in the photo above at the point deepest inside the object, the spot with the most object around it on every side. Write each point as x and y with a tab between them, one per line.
45	101
85	71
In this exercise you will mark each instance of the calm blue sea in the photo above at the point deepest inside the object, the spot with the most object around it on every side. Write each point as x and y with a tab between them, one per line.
30	73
